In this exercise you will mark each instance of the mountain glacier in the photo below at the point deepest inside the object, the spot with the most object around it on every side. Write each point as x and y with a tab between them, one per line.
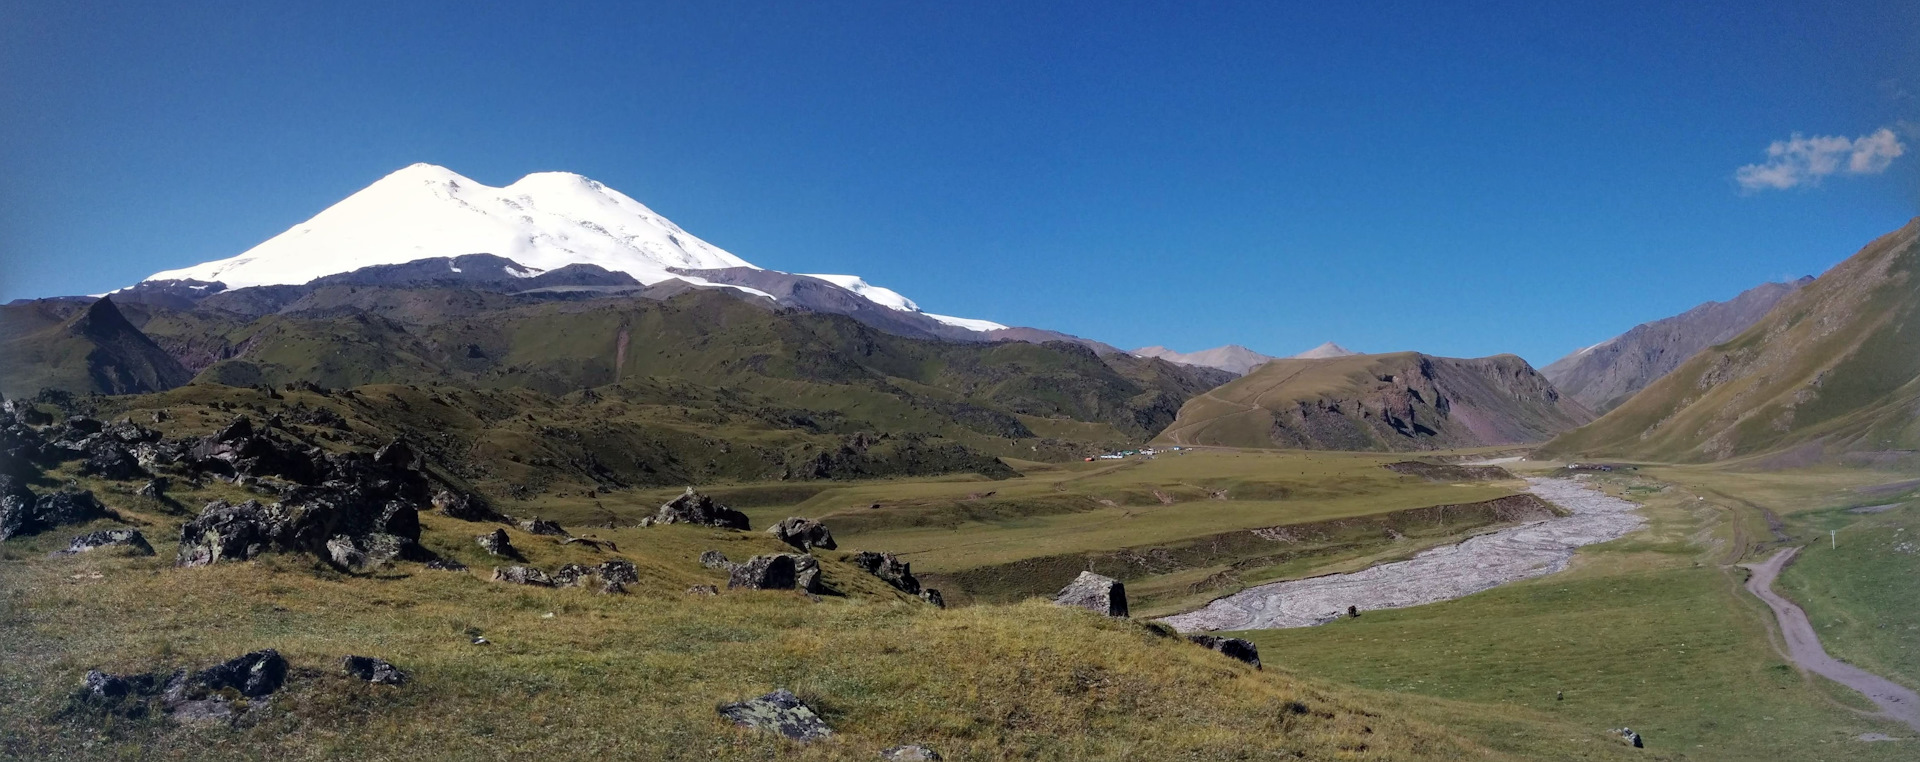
543	221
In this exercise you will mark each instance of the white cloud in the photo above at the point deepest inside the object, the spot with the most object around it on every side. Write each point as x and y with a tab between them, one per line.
1802	160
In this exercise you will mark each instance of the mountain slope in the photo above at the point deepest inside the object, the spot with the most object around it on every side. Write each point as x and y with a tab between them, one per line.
1328	349
1399	401
1232	358
1606	374
1834	368
94	350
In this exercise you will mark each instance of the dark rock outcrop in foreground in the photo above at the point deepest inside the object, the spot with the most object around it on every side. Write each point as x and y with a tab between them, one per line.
802	533
372	670
23	513
221	693
1233	648
1102	595
778	712
694	508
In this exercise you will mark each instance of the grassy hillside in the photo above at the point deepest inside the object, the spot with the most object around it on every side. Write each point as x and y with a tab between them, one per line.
1393	402
569	674
1833	369
95	349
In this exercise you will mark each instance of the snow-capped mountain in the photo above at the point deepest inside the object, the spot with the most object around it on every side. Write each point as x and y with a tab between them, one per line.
1328	349
543	221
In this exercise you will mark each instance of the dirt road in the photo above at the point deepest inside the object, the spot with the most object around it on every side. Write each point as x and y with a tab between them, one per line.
1896	702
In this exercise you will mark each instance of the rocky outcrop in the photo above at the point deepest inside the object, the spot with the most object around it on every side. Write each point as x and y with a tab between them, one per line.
131	539
890	569
909	753
773	571
221	693
714	559
778	712
806	574
344	526
372	670
805	534
1102	595
1233	648
24	513
522	575
612	576
694	508
465	507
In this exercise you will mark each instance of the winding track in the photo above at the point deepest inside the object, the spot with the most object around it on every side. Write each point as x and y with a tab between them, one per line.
1896	702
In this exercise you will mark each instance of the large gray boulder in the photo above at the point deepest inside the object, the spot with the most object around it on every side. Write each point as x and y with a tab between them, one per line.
774	571
805	534
1233	648
543	527
210	695
909	753
806	574
1096	593
694	508
778	712
496	543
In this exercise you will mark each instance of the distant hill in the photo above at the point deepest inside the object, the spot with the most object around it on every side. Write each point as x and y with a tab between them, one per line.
1834	368
1606	374
1328	349
94	349
1232	358
1396	402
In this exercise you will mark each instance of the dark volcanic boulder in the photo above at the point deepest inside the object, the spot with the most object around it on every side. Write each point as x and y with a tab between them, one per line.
714	559
23	513
109	459
252	675
522	575
1103	595
805	534
694	508
934	597
909	753
1233	648
767	572
365	552
890	568
372	670
778	712
131	539
496	543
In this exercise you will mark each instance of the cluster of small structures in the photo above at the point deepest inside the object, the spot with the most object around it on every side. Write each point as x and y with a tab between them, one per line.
1146	452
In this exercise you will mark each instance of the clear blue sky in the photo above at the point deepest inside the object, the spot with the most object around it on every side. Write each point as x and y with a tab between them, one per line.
1457	178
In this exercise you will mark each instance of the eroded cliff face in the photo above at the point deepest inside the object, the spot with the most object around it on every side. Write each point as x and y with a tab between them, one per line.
1402	401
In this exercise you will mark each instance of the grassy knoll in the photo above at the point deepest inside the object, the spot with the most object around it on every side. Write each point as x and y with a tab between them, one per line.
1649	631
575	675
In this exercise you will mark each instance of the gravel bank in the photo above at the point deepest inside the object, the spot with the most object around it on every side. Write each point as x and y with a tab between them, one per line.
1437	574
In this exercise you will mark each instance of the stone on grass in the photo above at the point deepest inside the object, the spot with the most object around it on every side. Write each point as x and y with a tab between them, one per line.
805	534
604	546
446	564
1233	648
464	507
622	572
909	753
372	670
778	712
934	597
1629	737
890	568
522	575
703	590
714	559
496	543
543	526
1096	593
694	508
806	574
773	571
131	539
